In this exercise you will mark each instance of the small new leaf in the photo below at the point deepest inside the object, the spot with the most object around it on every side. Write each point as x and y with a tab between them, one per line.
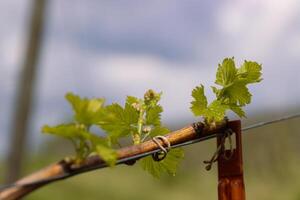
149	125
233	94
153	115
68	131
131	100
76	133
250	72
159	130
215	111
108	154
237	93
168	165
226	73
117	121
199	105
237	110
86	111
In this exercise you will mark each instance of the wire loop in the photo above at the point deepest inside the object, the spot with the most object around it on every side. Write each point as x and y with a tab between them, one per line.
228	134
220	148
158	156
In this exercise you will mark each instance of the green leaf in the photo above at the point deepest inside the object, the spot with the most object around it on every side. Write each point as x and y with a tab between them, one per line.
130	115
250	72
168	165
101	147
159	130
235	89
237	110
68	131
118	122
153	115
233	93
108	154
131	100
76	133
113	121
199	104
226	73
237	93
97	140
87	111
215	111
216	91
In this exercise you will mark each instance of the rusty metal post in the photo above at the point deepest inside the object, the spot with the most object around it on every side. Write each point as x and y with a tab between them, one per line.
231	180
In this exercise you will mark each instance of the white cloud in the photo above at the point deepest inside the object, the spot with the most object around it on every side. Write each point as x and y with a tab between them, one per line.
137	69
257	25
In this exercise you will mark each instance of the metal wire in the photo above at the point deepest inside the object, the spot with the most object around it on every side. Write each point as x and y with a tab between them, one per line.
260	124
136	157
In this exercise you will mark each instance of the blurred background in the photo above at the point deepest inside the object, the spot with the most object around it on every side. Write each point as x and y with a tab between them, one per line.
116	48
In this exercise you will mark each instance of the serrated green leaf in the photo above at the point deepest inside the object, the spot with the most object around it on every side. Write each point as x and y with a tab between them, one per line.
131	100
168	165
233	93
215	111
250	72
113	121
237	110
199	104
226	73
68	131
117	122
216	91
237	93
159	130
153	115
130	115
76	133
86	111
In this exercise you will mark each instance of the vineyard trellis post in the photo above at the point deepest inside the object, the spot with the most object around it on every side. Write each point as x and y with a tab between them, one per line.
230	166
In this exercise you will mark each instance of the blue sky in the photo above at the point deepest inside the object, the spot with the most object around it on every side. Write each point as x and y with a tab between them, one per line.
116	48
